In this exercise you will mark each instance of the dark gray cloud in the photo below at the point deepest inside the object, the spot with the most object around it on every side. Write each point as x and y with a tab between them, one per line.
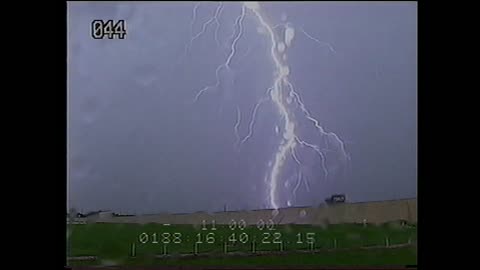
137	143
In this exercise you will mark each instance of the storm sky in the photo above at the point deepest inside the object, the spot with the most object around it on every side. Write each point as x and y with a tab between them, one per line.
138	143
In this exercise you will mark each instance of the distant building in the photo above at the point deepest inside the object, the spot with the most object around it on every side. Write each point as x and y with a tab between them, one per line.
94	216
75	218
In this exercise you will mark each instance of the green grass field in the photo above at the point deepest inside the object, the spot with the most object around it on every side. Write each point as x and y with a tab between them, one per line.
334	245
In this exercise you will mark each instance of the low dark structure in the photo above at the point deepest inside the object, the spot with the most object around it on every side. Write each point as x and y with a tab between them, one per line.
336	198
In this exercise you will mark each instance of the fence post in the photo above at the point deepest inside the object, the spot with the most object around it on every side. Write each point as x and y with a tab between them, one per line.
387	242
133	252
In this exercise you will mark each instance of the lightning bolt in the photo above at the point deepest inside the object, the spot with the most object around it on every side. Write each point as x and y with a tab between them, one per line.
226	65
281	93
299	181
237	124
307	185
318	151
254	117
290	138
318	41
194	17
206	24
217	13
294	155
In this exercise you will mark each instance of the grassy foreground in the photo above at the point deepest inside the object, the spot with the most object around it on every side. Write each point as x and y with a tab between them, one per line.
335	244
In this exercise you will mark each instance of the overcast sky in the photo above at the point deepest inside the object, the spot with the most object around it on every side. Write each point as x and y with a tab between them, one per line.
137	142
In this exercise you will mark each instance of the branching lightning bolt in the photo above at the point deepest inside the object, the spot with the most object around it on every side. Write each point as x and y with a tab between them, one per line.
290	138
207	23
281	93
254	117
226	65
317	150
